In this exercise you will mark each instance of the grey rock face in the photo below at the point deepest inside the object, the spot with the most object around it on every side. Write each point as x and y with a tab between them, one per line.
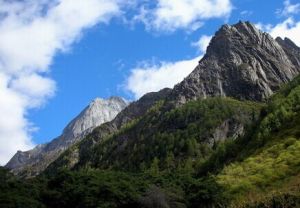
230	128
96	113
241	62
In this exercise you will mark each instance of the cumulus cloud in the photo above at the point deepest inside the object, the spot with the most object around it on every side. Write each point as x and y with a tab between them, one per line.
154	77
31	34
170	15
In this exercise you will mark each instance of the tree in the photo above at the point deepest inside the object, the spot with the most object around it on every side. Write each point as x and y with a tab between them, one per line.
188	166
154	168
170	162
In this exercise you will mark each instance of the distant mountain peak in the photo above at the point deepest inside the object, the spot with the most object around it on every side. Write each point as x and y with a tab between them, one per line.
89	117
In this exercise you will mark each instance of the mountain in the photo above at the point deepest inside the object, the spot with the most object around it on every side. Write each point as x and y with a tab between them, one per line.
241	62
34	161
228	135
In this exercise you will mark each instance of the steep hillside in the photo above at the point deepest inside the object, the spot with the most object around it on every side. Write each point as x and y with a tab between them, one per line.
268	167
190	132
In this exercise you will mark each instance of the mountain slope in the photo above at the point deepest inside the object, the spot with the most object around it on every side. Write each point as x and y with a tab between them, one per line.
190	132
36	160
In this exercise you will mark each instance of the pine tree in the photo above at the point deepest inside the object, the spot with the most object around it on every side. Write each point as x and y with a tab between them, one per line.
170	162
154	168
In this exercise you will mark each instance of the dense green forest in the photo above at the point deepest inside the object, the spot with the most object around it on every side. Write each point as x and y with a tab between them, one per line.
173	138
169	159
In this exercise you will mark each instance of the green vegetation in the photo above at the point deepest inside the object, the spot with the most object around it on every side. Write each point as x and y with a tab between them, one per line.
96	188
174	137
262	172
18	193
269	160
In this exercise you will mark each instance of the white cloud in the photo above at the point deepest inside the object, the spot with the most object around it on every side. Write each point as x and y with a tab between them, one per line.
153	77
31	34
289	9
288	28
170	15
33	88
202	43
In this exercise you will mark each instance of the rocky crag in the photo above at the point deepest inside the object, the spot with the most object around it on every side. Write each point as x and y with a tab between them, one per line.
241	62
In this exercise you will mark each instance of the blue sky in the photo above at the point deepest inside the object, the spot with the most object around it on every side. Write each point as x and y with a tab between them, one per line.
103	48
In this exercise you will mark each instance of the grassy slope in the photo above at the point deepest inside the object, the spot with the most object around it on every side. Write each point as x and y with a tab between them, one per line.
267	169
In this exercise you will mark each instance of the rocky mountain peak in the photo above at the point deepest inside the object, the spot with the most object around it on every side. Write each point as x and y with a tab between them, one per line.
90	116
241	62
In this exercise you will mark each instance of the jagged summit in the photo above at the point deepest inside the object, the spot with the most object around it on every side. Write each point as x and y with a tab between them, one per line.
241	62
97	112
